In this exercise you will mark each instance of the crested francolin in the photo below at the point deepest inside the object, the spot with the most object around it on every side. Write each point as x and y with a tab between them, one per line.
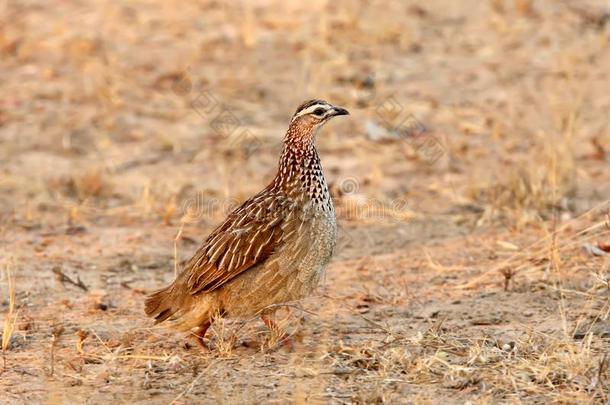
270	250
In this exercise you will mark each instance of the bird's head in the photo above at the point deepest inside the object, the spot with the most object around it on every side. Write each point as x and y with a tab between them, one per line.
313	114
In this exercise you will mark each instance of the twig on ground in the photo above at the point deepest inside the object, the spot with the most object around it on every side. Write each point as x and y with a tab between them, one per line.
62	278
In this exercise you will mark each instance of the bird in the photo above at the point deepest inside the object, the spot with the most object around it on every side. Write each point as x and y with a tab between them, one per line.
271	250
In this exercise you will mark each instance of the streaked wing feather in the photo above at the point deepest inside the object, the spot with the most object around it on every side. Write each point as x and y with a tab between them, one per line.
248	237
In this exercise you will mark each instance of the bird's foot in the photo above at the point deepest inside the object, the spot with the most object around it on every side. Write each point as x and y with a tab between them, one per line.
198	334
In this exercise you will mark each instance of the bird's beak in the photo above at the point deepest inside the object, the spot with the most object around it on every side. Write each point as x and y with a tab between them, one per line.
339	111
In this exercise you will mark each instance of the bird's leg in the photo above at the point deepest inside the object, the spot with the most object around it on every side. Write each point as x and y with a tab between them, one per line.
200	334
272	326
275	329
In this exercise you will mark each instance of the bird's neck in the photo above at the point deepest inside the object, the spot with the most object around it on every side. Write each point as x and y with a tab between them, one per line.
300	170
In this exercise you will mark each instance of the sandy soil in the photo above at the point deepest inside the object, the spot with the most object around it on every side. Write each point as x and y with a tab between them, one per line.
473	258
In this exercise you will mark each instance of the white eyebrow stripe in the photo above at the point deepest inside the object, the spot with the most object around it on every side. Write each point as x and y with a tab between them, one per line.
311	109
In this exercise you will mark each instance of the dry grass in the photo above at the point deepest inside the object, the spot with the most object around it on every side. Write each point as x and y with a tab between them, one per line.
532	367
534	188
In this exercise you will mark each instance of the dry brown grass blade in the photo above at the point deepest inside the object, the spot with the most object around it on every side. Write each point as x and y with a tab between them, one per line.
194	382
10	318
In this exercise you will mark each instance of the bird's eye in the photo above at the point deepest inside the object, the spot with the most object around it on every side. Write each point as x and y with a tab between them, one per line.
319	111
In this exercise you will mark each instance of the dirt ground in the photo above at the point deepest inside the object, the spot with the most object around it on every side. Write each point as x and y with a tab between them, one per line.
471	183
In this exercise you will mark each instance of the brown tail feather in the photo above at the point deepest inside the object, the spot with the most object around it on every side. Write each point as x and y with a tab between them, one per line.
161	305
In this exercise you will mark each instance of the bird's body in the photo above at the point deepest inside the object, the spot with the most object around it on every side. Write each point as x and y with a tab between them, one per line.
271	250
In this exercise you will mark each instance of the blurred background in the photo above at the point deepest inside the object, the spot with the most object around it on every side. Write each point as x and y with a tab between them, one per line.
478	142
110	105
